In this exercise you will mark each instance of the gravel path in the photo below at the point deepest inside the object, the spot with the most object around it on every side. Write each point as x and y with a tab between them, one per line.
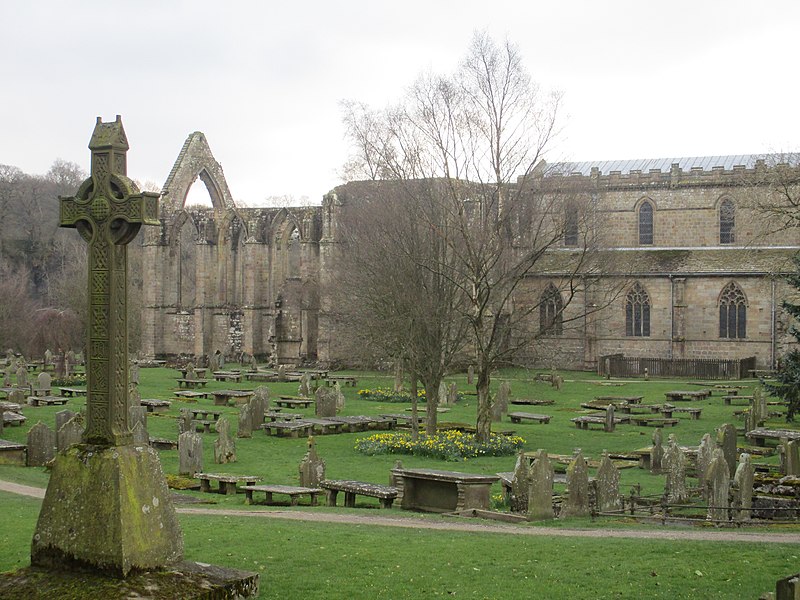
721	535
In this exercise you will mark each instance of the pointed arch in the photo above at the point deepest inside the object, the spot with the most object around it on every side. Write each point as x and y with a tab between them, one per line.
732	312
637	312
645	222
196	160
551	307
727	221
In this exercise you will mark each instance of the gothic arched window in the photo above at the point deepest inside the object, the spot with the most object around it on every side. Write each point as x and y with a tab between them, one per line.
571	226
637	312
727	222
646	224
732	312
550	309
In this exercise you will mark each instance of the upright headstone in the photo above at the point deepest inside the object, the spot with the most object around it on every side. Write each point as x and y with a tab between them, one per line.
576	503
557	381
452	394
312	467
656	452
520	484
718	481
41	445
69	434
607	486
62	417
213	362
259	404
705	452
442	393
85	521
68	364
610	422
281	376
674	465
140	435
500	404
304	389
137	414
43	383
135	397
59	368
726	439
16	396
22	377
190	453
224	446
325	402
190	374
184	421
470	375
540	492
743	488
340	400
791	457
245	428
134	373
8	372
48	357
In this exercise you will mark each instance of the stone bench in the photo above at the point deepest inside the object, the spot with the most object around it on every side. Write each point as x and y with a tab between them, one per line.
324	426
518	417
69	391
386	494
155	405
728	400
685	396
694	413
293	492
585	421
760	435
227	482
285	402
203	425
46	400
12	418
190	395
653	421
292	429
528	402
227	376
256	376
191	383
344	380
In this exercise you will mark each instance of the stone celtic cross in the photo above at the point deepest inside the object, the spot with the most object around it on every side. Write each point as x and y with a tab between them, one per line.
108	211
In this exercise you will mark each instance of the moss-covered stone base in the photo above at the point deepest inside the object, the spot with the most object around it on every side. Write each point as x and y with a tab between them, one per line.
183	581
107	509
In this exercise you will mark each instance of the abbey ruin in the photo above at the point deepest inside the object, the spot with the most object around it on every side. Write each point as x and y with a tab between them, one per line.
706	281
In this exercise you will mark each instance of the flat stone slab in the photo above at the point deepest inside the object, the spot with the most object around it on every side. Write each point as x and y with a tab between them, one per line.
182	581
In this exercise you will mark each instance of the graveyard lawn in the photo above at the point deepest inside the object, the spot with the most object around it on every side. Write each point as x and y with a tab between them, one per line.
305	560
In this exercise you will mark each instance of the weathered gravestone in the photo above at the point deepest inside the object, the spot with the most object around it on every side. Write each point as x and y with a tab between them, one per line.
500	404
48	357
140	435
224	446
16	396
606	486
281	375
22	377
657	451
610	423
312	467
41	445
718	481
304	389
107	507
245	428
674	465
520	484
743	488
452	394
259	404
184	421
190	454
62	417
69	434
339	397
790	456
43	384
726	440
540	491
137	419
60	370
442	394
190	374
705	452
7	373
325	402
470	375
576	503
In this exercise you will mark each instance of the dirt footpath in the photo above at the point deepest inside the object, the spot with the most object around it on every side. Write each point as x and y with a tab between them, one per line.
457	524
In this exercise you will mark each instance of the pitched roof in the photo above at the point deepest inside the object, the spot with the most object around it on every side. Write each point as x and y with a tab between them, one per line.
707	163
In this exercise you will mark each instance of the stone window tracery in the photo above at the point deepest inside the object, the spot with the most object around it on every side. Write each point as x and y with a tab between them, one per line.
550	311
727	222
646	224
637	312
732	312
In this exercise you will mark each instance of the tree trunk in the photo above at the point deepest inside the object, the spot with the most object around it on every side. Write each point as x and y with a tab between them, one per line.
414	404
483	425
432	394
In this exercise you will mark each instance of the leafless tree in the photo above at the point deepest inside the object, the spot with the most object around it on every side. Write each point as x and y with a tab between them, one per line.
480	135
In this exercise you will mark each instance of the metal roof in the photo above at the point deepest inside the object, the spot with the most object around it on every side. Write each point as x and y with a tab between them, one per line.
644	165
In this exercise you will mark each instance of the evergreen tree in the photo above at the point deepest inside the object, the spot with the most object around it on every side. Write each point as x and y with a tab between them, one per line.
787	381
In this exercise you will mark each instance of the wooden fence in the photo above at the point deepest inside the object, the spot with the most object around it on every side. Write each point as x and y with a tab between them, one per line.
617	365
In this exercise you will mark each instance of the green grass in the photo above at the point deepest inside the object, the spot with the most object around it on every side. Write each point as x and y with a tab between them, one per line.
307	559
320	560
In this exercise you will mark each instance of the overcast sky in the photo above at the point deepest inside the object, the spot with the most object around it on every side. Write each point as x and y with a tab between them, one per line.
263	79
